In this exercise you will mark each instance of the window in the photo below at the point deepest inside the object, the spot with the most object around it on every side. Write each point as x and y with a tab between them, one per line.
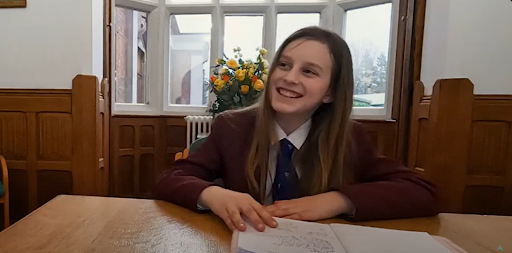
130	65
238	34
165	49
288	23
189	59
367	32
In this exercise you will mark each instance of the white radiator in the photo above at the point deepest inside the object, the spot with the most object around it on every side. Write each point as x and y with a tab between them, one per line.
197	127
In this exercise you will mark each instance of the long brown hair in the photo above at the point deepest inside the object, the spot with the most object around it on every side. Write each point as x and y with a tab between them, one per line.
322	158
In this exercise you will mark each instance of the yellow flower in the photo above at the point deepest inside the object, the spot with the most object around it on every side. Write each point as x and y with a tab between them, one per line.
263	51
265	71
223	70
232	64
244	89
258	85
251	72
219	83
218	61
264	77
240	74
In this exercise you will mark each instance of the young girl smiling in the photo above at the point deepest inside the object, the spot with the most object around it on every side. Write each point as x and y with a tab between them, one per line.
297	154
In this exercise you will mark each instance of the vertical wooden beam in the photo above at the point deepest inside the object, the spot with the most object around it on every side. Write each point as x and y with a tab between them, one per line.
136	159
103	122
411	63
420	9
85	108
419	91
32	160
451	112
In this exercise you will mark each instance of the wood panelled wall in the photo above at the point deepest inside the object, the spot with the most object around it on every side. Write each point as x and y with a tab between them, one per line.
47	137
143	147
463	143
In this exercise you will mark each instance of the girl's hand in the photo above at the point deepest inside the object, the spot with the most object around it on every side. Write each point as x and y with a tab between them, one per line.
230	205
312	208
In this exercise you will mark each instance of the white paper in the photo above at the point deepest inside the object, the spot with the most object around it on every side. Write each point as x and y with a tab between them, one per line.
359	239
290	237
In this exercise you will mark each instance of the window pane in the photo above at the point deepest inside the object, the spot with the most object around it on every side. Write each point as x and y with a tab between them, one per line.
131	50
368	35
245	32
289	23
189	59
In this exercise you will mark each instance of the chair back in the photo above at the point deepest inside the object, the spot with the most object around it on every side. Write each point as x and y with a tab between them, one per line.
196	144
4	195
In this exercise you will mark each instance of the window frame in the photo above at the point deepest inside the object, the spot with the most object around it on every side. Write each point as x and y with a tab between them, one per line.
332	16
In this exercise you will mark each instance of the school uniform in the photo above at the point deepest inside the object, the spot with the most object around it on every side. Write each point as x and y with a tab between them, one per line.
383	188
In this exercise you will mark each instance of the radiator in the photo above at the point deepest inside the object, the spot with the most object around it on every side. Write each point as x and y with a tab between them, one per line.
197	127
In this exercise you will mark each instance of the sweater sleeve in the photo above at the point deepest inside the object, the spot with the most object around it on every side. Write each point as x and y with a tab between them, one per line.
183	183
384	188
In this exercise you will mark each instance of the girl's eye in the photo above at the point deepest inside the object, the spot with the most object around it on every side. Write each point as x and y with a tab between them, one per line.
309	72
283	65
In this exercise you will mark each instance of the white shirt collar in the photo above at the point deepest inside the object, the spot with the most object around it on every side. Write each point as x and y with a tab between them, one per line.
297	137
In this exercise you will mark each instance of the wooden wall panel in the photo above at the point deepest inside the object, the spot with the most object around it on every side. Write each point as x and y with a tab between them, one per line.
384	135
135	155
489	145
463	143
47	138
35	138
143	147
13	133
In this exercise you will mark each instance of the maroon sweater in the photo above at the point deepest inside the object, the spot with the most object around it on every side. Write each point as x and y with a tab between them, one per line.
383	188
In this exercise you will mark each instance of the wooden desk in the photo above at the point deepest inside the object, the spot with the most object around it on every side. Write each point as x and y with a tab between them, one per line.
96	224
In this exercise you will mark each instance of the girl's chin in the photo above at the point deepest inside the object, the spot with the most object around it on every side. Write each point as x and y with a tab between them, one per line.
285	108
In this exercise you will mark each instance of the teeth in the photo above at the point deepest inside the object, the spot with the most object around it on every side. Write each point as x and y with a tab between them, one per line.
288	93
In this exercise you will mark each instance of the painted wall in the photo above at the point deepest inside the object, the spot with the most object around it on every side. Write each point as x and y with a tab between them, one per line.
471	39
51	41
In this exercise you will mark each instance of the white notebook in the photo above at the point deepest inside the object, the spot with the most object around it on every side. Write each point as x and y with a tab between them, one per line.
293	236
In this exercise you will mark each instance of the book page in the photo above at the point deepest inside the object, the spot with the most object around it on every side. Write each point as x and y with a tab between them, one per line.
290	236
360	239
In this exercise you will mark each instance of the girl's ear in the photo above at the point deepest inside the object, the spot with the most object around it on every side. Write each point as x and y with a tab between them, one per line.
328	98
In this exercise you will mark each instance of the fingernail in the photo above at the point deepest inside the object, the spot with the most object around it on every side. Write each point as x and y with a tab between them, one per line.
261	227
274	223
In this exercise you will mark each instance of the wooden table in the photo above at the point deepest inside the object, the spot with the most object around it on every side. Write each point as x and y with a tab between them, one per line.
97	224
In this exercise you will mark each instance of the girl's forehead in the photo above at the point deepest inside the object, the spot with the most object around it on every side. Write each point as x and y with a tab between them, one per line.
307	50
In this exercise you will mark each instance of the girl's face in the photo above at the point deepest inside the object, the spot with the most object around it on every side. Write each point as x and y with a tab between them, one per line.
300	82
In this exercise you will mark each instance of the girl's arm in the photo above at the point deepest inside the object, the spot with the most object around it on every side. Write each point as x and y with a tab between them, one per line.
184	182
385	189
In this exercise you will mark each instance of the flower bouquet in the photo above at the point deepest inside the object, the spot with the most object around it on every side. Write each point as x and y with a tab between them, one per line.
236	82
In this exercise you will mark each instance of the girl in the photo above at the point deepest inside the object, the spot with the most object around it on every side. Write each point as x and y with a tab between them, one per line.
297	154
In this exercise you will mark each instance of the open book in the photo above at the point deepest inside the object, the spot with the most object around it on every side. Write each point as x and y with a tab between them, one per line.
293	236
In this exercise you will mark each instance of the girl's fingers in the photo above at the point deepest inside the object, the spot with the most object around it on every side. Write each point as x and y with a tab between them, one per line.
227	219
253	217
235	217
264	215
293	217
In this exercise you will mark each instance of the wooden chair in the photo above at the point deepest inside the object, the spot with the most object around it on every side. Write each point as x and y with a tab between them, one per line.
4	198
193	146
